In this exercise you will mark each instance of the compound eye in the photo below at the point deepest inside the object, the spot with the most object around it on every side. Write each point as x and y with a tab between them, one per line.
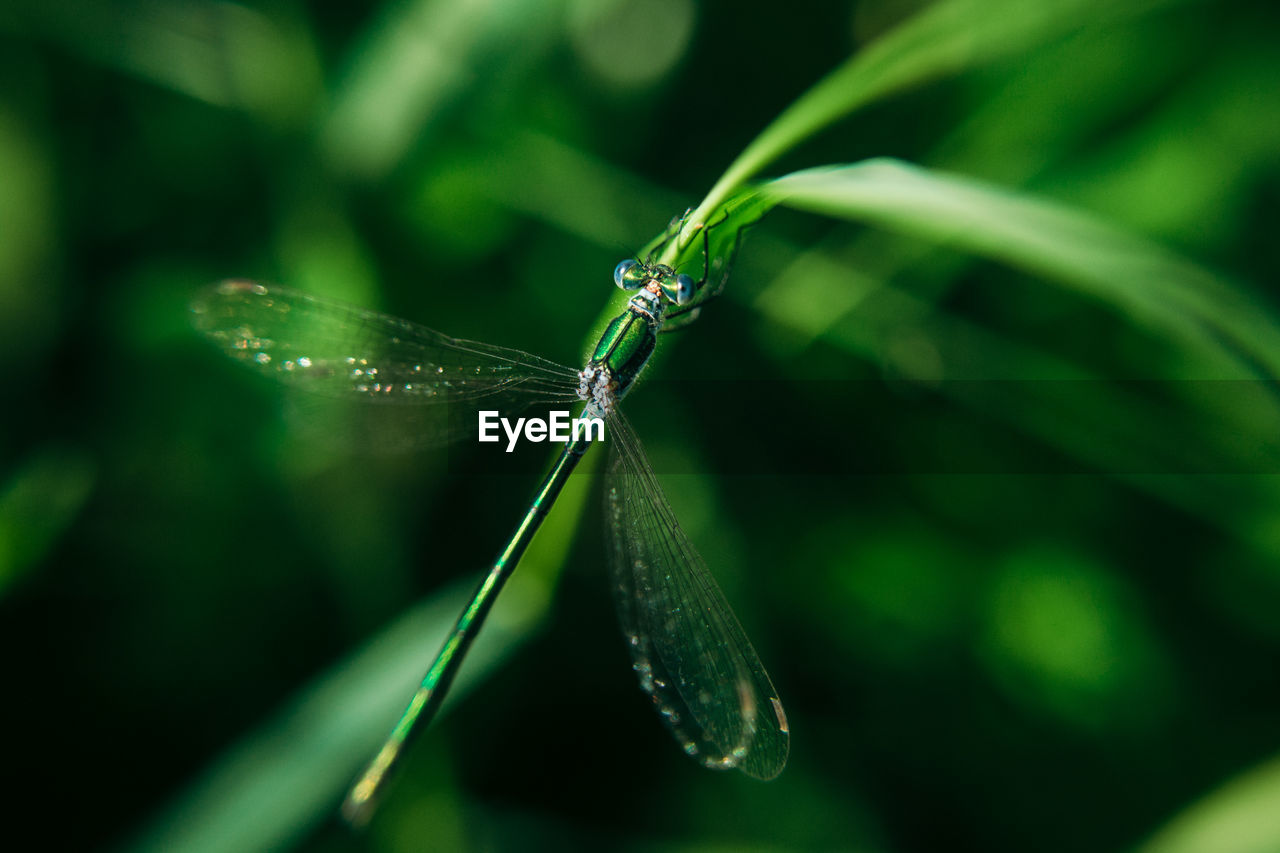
620	276
684	289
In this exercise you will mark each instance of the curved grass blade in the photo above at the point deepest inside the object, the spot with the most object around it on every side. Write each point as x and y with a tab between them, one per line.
285	776
339	351
1051	240
947	38
691	655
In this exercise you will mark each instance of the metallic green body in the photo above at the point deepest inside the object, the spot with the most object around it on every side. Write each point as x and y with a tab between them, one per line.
363	797
621	353
625	347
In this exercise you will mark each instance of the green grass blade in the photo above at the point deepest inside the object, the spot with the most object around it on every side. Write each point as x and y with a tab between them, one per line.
1239	817
1050	240
279	780
284	778
947	38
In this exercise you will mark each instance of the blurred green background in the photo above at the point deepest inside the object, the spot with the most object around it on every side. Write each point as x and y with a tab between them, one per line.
1015	576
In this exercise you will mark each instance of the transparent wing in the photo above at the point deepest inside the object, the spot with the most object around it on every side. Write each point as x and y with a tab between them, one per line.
333	350
690	653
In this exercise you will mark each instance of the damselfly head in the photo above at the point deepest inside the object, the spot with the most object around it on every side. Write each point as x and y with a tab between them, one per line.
633	275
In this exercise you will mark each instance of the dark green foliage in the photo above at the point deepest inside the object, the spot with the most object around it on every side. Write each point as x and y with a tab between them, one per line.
990	479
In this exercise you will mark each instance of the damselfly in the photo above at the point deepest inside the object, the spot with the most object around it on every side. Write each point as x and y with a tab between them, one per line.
688	650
